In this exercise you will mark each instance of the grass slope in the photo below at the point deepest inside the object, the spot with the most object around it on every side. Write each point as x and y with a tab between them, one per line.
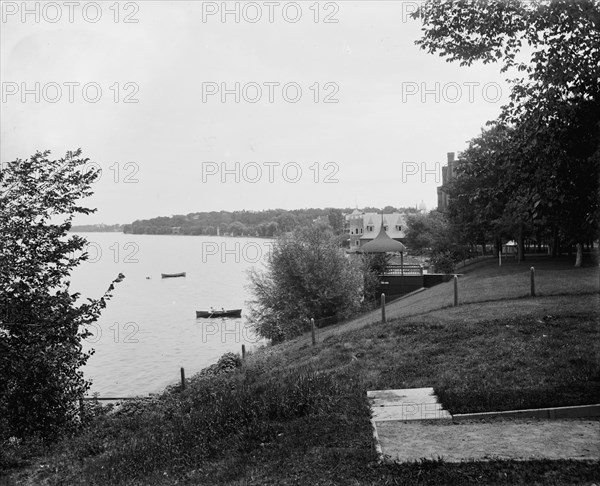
298	414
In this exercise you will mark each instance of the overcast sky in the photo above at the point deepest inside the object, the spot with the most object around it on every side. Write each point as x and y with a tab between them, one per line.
172	148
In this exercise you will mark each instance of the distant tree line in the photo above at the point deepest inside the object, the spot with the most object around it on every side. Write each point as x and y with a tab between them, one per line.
93	228
266	224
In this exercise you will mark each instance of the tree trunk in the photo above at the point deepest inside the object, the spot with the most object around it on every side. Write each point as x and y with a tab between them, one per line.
579	257
521	246
555	243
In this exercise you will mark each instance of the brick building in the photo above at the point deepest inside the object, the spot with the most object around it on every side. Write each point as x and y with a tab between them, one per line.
448	173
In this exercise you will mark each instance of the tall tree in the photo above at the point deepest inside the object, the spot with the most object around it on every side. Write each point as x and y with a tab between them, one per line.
431	235
41	324
336	220
554	106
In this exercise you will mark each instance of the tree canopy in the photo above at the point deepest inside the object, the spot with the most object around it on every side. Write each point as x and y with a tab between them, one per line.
536	168
41	323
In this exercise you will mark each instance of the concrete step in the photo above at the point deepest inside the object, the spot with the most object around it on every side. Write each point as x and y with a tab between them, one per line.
406	404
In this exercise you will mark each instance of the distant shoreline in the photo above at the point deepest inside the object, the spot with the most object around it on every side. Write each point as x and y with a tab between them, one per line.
76	230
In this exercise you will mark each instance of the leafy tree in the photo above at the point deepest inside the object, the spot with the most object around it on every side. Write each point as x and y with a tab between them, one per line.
554	108
286	222
487	201
41	324
431	235
237	229
308	276
336	220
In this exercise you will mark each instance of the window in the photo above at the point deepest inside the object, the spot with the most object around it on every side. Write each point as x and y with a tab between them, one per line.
370	228
398	227
385	227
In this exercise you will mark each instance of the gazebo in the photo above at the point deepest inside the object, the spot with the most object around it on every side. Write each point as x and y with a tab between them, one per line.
382	243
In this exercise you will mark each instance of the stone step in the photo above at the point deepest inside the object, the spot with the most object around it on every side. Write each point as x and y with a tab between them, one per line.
406	404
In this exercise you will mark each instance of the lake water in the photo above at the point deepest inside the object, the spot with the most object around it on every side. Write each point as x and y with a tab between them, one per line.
149	328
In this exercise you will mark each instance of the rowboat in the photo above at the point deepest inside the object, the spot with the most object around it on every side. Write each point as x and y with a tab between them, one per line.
219	313
172	275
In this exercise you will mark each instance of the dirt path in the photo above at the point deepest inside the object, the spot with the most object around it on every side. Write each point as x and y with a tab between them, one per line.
519	439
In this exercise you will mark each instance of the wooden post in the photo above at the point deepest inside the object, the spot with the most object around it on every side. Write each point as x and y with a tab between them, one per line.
312	331
532	273
455	290
401	263
243	351
500	258
182	379
383	308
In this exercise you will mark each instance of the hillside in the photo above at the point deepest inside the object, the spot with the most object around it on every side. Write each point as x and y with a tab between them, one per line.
298	414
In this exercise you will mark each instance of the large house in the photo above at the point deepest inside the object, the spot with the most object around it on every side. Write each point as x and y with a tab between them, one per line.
364	227
447	175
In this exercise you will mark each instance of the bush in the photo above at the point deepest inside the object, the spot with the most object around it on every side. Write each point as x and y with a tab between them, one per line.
308	276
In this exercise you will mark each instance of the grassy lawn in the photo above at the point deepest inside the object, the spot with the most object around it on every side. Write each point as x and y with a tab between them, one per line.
298	414
485	281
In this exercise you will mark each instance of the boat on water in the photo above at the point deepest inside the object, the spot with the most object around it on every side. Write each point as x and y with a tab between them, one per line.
212	314
172	275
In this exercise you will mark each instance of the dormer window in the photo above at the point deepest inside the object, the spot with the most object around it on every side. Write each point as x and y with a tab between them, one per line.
370	228
398	227
385	227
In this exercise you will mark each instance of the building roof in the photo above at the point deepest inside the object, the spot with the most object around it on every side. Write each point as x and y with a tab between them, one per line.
382	244
390	220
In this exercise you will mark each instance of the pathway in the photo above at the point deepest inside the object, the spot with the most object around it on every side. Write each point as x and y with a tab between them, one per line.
411	425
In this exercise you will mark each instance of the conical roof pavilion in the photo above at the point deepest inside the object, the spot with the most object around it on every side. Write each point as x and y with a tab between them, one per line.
382	244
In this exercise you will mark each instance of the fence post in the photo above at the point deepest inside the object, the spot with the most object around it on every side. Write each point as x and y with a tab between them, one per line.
532	273
312	331
243	351
455	290
500	258
383	308
182	379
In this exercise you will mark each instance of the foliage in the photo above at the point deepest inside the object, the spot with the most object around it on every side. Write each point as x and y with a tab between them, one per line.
488	200
227	363
431	235
540	161
376	262
308	276
336	220
41	325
